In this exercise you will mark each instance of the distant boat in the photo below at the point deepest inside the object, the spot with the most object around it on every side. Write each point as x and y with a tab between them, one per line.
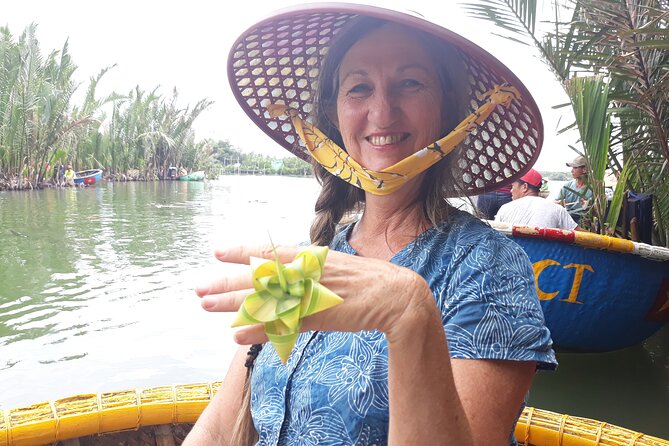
598	293
88	177
194	176
164	415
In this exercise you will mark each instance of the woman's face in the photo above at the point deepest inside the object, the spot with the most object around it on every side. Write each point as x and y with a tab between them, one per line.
389	102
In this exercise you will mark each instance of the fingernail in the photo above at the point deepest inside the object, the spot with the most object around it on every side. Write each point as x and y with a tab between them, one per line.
208	303
201	290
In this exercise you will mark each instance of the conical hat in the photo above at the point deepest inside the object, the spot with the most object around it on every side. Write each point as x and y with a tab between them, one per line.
278	60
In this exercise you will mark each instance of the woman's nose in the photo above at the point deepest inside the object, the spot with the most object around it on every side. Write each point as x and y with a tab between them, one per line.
384	108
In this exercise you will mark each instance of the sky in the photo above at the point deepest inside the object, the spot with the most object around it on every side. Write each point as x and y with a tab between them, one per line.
184	45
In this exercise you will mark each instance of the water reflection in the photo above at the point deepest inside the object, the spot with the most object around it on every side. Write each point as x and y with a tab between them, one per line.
629	387
96	284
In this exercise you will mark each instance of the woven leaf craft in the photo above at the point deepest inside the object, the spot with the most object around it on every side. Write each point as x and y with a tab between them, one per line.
284	295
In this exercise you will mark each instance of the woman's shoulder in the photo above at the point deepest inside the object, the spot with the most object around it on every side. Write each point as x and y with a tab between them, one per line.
465	236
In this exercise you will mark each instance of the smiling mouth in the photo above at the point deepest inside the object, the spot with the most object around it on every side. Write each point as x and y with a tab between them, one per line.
387	140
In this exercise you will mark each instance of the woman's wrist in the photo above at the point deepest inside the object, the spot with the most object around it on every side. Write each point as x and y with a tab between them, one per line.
414	311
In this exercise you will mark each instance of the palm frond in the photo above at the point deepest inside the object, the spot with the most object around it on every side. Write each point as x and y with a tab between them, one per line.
516	16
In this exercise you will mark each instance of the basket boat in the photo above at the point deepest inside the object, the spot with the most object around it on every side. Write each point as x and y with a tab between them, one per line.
194	176
163	416
598	293
88	177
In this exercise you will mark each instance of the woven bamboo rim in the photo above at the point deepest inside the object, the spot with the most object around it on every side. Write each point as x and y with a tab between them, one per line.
92	414
585	239
174	408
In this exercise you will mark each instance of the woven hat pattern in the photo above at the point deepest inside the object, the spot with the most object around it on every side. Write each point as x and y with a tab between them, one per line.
278	61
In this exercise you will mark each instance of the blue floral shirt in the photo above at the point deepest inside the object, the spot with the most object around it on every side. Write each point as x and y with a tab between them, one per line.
334	388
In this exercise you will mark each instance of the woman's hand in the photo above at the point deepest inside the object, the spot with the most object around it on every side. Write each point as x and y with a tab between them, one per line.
377	294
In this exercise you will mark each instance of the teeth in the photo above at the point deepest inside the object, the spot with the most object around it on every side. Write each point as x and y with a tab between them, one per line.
385	140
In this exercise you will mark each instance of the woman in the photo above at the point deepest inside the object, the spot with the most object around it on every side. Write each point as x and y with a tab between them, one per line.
440	332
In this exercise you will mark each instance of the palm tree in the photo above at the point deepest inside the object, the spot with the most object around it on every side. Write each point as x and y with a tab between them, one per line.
36	123
40	126
625	42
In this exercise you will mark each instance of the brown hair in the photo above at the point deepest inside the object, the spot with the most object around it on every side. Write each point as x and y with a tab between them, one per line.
244	433
339	198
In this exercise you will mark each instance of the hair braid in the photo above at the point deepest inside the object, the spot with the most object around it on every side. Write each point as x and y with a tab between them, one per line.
244	433
336	199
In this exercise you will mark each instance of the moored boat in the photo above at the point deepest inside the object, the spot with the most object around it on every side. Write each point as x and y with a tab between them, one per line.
193	176
163	416
88	177
598	293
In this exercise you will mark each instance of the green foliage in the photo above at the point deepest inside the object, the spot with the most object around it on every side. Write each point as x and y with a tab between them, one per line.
590	100
517	17
142	130
255	164
618	195
626	43
40	126
233	161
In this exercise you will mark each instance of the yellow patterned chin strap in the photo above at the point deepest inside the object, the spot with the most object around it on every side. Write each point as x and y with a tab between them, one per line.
336	161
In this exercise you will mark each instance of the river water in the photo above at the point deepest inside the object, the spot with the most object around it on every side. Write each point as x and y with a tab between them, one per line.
96	294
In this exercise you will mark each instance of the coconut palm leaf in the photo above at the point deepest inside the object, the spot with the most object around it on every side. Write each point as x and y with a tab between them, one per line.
618	196
625	41
637	57
560	47
516	16
589	97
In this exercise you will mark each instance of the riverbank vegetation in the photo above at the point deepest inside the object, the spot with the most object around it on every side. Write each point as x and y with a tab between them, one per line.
611	58
135	135
232	161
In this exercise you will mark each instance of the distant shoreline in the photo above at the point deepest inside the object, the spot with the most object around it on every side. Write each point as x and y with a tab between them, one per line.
16	185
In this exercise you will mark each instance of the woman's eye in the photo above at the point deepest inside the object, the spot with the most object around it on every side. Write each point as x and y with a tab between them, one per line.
359	90
411	83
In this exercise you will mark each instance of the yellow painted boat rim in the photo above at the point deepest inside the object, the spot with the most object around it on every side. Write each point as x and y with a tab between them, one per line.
126	410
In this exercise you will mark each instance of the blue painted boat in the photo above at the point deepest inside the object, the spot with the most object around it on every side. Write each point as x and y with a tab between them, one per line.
194	176
598	293
88	177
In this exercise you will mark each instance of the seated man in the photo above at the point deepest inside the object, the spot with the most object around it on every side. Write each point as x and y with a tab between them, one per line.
576	194
69	176
528	209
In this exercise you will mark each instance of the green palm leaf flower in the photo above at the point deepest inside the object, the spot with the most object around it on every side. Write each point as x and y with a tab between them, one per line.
284	295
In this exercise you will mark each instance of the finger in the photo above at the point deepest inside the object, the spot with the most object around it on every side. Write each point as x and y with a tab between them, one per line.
225	284
226	301
254	334
241	254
